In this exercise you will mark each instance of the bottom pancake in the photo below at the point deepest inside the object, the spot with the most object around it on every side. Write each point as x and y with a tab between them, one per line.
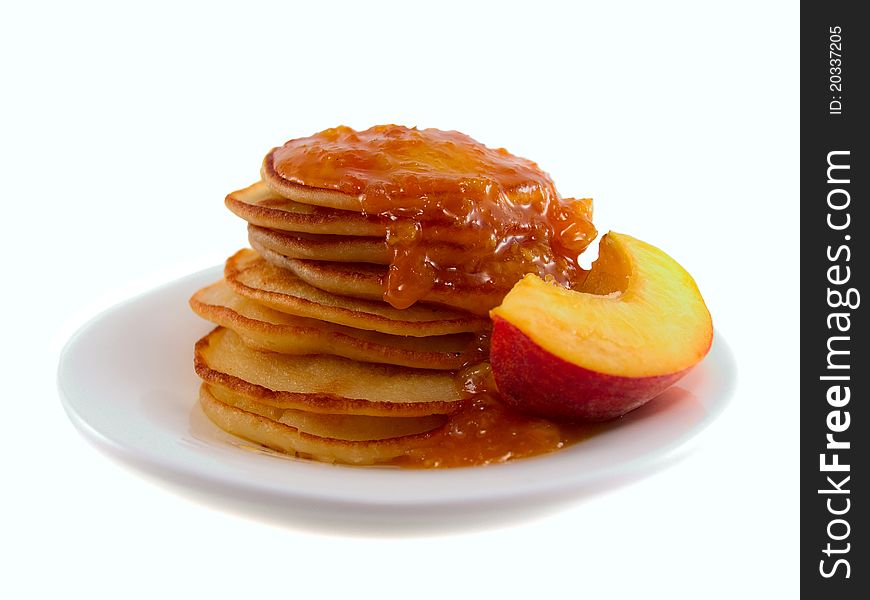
290	440
352	428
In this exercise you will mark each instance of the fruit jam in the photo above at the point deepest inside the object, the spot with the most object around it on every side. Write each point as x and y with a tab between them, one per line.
443	187
485	431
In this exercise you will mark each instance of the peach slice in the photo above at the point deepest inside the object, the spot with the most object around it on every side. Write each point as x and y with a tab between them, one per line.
632	328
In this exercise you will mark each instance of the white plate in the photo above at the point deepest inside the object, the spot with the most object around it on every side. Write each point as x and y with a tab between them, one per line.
127	383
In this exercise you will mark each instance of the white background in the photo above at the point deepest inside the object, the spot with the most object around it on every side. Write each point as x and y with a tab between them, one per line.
123	127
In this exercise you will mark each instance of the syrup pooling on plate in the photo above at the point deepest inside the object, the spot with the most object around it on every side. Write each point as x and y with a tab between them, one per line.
444	186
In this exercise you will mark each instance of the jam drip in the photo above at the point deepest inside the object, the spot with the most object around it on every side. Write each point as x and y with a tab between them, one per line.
437	187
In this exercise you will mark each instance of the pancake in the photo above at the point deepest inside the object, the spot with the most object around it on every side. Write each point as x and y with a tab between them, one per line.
249	275
267	329
323	383
259	205
290	440
366	281
523	192
352	428
305	194
342	248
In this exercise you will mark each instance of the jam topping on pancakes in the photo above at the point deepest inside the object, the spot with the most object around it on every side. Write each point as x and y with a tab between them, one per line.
445	187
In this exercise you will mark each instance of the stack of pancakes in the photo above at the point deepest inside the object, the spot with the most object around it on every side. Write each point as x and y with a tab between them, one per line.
307	358
355	329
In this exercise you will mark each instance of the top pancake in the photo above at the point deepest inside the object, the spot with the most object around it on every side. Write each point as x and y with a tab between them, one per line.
305	194
342	168
331	198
